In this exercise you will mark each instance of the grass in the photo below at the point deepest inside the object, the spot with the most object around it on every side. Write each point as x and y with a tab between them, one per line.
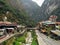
16	40
16	43
21	39
34	42
4	43
34	36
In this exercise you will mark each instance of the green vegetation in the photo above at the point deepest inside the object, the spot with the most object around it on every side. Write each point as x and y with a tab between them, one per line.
8	42
16	43
59	27
21	39
18	40
4	43
48	30
34	41
34	34
14	15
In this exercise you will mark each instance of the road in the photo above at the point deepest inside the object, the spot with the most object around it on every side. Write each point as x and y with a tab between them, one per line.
46	40
40	40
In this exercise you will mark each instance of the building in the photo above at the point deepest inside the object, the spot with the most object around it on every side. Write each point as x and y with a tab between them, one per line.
8	27
20	28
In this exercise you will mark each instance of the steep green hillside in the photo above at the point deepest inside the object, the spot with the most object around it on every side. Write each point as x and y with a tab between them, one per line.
14	14
30	7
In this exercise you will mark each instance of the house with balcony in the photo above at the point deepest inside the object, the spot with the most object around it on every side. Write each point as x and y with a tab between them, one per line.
8	27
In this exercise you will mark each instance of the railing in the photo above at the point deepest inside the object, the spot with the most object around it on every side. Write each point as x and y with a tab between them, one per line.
8	36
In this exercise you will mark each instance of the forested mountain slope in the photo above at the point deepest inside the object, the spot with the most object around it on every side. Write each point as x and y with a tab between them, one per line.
30	7
14	15
48	8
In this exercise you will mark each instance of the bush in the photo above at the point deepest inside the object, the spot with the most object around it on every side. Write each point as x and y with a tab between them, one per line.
34	41
16	43
21	39
4	43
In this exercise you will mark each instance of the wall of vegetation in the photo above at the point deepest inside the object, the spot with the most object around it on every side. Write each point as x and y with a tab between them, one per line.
14	15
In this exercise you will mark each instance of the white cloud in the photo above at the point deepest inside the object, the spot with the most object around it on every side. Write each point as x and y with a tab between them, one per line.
39	2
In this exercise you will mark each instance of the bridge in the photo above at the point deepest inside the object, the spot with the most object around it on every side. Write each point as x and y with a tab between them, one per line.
9	36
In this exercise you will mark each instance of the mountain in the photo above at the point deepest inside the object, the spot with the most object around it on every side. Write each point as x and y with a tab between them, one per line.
30	7
28	12
50	7
14	13
36	13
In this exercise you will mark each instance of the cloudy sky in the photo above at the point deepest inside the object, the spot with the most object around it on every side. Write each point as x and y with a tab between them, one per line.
39	2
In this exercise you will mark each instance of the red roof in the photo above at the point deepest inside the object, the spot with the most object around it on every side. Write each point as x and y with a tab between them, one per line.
58	23
7	24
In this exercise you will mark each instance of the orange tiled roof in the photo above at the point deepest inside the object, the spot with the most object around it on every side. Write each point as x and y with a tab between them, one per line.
7	23
57	22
